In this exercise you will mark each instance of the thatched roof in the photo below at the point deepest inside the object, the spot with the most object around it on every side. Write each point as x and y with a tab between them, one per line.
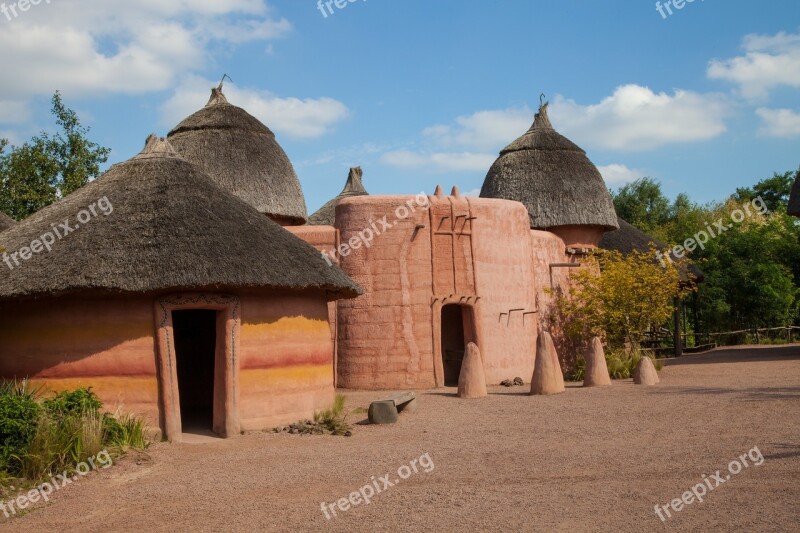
243	157
553	178
794	199
326	216
6	221
628	238
171	229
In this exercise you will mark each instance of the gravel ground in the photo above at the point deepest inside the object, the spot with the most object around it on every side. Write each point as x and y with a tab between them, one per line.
586	460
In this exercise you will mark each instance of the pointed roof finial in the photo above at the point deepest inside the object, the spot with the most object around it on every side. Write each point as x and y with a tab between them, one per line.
455	192
217	97
156	146
354	184
438	191
542	120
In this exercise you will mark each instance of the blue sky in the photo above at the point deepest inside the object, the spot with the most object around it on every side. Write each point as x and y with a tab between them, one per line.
423	92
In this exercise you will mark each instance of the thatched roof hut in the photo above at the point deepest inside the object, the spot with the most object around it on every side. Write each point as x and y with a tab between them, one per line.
243	157
326	216
171	228
553	177
6	221
628	238
794	199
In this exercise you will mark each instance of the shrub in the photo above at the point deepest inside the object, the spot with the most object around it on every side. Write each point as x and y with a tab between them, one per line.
41	439
125	432
334	419
578	372
61	442
622	362
73	403
19	415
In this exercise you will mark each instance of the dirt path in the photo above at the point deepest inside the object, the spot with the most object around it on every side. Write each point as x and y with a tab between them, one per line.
586	460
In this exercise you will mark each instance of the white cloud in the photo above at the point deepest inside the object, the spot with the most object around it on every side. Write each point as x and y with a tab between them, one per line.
90	47
617	174
293	117
440	161
779	123
769	61
482	130
635	118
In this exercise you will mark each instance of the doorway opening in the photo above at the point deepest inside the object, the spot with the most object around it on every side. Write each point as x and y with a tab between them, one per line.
454	342
195	334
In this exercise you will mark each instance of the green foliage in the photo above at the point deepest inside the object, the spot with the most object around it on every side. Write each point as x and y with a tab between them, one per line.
125	432
752	270
774	191
48	167
72	403
62	442
633	294
642	204
578	371
42	437
19	415
334	419
622	362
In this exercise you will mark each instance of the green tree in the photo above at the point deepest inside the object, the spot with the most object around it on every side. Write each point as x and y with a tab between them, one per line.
632	294
643	204
48	167
774	191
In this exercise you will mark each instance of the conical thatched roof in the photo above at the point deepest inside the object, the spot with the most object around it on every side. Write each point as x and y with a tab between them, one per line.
553	178
171	228
6	221
794	199
628	238
243	157
326	216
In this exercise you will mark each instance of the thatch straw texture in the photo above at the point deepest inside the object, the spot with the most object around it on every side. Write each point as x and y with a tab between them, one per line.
243	157
553	178
171	229
629	238
794	199
6	222
326	216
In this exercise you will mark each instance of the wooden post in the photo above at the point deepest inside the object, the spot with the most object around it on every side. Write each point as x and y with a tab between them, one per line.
678	339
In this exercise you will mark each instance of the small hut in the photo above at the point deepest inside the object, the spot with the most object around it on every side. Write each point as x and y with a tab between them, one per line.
794	199
173	299
326	216
563	191
243	157
6	221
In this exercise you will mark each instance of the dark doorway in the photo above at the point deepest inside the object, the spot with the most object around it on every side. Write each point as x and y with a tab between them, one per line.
195	355
453	343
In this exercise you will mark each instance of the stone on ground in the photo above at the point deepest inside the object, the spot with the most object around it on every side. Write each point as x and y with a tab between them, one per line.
596	374
554	354
547	377
472	380
646	373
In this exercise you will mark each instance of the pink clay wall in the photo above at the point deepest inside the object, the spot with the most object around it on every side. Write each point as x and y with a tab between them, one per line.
468	251
324	239
106	344
285	360
285	371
